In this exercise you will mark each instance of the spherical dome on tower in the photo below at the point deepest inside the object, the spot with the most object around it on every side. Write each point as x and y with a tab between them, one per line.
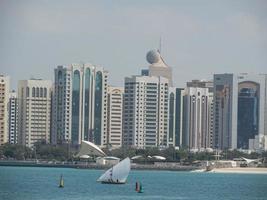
153	56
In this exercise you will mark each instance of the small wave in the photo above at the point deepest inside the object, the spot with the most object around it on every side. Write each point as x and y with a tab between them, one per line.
124	197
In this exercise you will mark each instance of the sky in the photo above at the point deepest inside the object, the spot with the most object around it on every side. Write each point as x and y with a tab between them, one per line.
199	37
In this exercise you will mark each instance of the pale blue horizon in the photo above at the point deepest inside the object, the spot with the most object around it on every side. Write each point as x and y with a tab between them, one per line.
199	38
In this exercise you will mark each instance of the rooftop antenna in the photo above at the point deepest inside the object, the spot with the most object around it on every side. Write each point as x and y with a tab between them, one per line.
159	50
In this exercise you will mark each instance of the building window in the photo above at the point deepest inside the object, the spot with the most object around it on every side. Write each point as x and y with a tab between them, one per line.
37	92
45	92
27	92
41	92
33	92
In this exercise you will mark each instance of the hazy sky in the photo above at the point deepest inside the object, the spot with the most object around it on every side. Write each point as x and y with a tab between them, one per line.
199	37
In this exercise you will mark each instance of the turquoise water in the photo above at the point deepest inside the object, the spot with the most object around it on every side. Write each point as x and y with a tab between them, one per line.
26	183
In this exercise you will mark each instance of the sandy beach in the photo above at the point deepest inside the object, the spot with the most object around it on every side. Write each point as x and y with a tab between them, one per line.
244	170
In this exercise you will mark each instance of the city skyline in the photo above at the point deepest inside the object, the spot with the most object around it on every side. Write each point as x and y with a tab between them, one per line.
167	99
195	45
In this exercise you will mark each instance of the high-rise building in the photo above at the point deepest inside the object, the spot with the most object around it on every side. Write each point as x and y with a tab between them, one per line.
225	111
114	117
80	104
175	117
240	111
145	111
4	98
252	111
34	110
198	115
157	66
13	118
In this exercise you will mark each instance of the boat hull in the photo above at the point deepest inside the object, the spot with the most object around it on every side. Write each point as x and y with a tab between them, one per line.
112	182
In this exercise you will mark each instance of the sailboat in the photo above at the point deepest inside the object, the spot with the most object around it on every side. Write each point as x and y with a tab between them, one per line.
117	174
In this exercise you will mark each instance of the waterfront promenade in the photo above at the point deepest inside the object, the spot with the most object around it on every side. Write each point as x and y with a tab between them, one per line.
241	170
169	166
89	165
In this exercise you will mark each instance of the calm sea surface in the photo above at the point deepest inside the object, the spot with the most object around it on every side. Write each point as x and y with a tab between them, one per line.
28	183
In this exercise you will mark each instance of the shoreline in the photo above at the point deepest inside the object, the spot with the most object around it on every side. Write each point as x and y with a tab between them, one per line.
134	166
241	170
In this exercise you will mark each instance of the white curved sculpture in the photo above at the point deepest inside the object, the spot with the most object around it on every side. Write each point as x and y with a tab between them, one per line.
136	157
248	161
89	148
159	157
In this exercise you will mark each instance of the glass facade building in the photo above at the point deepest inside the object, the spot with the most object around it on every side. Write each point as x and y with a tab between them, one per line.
240	111
75	128
80	107
248	114
175	116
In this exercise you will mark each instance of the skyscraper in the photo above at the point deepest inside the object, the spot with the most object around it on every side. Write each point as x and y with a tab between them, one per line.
34	110
248	112
13	118
145	111
198	112
114	118
4	98
225	111
240	111
252	111
175	117
80	104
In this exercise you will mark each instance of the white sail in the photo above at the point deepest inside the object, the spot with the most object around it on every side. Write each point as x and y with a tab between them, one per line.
117	173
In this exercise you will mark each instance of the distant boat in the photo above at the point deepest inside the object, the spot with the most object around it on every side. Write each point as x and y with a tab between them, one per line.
61	182
117	174
138	187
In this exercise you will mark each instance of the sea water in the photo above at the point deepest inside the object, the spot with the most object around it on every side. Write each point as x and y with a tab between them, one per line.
26	183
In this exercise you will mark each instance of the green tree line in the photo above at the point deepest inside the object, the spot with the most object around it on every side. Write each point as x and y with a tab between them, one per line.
38	151
66	152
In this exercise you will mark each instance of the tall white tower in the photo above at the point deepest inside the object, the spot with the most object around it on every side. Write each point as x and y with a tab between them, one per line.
4	98
34	110
114	118
145	111
13	117
198	115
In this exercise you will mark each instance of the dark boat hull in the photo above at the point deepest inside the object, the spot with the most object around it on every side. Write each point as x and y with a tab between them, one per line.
112	182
